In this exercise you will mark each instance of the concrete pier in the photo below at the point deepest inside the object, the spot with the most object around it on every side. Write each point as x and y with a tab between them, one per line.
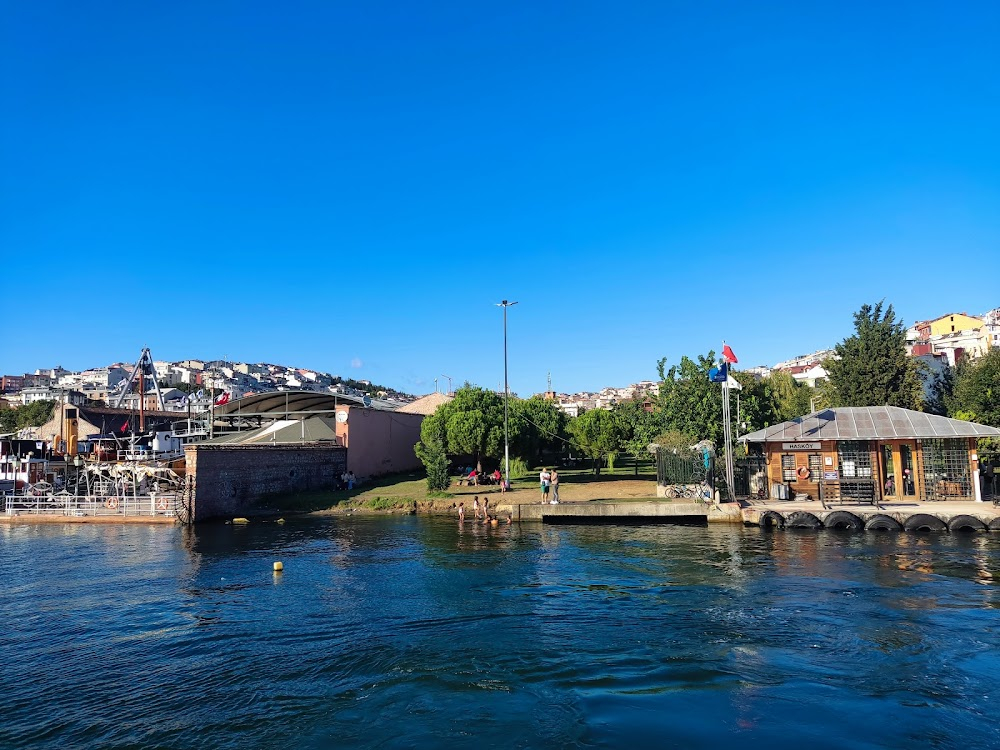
625	511
773	513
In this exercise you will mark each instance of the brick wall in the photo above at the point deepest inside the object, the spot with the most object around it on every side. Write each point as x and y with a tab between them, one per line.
228	480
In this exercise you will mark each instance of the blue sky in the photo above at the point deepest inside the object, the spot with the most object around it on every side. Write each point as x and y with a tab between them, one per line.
352	187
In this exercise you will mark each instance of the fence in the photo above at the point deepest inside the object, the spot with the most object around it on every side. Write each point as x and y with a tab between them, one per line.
750	477
65	504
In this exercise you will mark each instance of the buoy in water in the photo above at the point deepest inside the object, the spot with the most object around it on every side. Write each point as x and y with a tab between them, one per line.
278	567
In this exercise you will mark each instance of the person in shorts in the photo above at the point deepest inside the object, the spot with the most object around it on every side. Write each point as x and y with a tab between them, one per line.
544	479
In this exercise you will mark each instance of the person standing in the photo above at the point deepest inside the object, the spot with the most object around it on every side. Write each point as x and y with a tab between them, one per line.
544	477
554	483
461	512
475	506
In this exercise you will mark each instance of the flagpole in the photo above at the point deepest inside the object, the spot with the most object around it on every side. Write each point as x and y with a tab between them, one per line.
727	427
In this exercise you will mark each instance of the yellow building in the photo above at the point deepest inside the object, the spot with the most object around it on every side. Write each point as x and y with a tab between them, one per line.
954	323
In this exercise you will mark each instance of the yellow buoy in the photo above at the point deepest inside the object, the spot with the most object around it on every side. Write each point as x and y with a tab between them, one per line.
241	520
278	567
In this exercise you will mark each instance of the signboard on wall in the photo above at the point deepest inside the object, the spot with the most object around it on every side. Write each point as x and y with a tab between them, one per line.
829	476
800	446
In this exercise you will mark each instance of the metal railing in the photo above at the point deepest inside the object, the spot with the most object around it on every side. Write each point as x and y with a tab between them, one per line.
64	504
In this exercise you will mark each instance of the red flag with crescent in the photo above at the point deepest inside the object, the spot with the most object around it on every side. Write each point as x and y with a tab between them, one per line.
727	354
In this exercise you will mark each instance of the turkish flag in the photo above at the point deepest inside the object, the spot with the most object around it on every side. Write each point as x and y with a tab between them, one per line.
727	354
123	428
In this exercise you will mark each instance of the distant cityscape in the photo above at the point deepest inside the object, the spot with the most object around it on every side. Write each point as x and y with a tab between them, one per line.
194	385
188	385
938	342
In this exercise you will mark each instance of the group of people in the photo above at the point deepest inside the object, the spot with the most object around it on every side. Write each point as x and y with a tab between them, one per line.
549	481
348	479
482	513
477	477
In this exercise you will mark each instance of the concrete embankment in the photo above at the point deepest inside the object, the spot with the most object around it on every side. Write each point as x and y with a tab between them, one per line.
625	511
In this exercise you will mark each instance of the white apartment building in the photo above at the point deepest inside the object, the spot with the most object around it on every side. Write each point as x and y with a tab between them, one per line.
46	393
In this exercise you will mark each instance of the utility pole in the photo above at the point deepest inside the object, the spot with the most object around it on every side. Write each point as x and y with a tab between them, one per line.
449	383
506	393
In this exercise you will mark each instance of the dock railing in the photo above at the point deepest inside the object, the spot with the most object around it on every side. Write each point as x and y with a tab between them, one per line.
65	504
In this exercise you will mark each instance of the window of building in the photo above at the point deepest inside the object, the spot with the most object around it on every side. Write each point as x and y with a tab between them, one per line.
815	467
946	468
788	467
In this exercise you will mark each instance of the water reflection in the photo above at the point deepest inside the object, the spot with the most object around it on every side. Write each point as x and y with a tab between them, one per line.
396	631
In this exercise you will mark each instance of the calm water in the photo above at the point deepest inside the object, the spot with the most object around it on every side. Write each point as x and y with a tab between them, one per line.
409	632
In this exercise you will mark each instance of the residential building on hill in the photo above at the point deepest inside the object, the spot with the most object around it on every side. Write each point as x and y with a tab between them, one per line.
954	335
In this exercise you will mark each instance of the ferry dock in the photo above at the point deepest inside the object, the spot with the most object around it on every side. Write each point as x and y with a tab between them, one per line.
953	516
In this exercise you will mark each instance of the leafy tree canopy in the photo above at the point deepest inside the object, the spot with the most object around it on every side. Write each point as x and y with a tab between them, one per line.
689	401
976	392
34	414
874	369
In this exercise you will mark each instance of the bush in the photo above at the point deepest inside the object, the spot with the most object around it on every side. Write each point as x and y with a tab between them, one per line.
433	457
387	503
518	469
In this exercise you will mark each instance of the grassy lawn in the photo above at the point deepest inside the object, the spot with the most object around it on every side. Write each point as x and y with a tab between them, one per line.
406	492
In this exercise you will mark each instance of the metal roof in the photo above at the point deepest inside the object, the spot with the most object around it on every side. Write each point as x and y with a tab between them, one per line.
292	402
869	423
316	429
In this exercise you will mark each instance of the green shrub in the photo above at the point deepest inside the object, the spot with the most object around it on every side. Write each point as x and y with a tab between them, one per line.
433	457
388	503
518	469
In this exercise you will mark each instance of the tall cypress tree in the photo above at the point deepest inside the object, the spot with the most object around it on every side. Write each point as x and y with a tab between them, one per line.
873	368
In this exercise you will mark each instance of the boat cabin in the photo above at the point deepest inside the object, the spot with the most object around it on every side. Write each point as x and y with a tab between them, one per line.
871	454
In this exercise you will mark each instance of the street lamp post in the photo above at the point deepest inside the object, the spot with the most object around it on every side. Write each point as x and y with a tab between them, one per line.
506	393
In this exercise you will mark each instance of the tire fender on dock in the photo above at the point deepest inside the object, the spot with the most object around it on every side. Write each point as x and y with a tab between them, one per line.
924	522
771	520
964	523
881	522
841	519
802	520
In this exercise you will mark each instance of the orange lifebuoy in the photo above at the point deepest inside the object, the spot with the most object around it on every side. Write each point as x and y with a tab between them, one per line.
111	502
803	472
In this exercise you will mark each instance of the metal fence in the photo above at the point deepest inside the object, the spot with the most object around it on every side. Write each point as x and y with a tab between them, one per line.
673	468
65	504
750	477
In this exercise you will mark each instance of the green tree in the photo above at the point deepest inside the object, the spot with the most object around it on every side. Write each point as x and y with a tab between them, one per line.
471	424
873	368
595	433
34	414
435	461
755	406
976	394
690	402
637	428
789	397
537	426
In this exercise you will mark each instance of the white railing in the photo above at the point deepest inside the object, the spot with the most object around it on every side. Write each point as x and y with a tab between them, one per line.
153	504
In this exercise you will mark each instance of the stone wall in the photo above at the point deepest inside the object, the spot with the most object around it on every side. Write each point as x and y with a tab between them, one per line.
228	480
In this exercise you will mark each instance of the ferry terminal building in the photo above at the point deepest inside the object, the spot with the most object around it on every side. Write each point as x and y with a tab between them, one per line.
870	454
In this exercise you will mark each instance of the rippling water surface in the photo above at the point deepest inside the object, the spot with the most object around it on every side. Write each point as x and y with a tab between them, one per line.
413	632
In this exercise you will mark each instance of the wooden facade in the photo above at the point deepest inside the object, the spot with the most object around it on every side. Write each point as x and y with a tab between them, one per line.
871	454
882	470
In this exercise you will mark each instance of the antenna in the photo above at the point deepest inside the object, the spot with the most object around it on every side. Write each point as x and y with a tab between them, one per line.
548	377
449	382
435	385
